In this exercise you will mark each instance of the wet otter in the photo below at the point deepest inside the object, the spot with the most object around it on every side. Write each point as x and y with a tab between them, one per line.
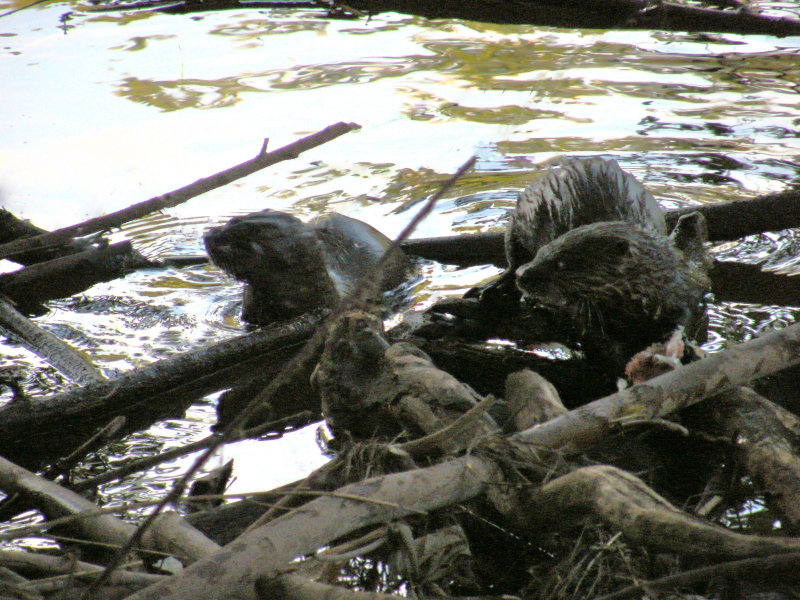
588	243
290	267
614	281
577	192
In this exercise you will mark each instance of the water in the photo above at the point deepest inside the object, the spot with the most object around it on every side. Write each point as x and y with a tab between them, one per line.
102	110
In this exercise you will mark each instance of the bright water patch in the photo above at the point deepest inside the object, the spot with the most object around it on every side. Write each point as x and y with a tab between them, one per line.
109	109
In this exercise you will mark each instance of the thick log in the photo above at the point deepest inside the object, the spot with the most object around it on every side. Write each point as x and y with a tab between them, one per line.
726	221
587	14
68	275
628	505
739	282
732	220
33	431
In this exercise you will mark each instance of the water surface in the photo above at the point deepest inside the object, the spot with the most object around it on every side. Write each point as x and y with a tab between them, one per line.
102	110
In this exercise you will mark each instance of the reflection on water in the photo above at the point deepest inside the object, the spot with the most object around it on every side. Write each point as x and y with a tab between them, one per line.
159	103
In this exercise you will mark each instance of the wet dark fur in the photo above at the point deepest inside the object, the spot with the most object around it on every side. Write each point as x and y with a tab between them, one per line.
587	243
613	281
290	267
578	192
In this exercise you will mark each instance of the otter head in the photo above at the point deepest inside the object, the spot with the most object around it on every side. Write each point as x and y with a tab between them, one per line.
281	261
604	277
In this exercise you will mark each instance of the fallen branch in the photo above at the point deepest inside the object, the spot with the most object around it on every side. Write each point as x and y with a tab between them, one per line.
59	354
137	211
766	437
732	220
377	500
739	282
68	275
56	502
51	425
173	535
735	570
626	504
725	220
13	228
43	564
585	426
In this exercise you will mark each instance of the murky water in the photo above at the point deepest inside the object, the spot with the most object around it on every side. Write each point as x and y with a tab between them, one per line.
102	110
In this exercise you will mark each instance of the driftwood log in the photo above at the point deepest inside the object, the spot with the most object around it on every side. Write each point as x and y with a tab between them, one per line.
591	14
50	426
607	494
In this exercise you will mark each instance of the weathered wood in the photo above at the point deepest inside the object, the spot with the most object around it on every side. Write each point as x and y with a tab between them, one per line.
231	572
658	397
106	222
55	502
766	438
43	427
44	564
47	346
68	275
628	505
171	534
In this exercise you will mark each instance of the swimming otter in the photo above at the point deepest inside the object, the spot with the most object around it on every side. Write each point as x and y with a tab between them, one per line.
588	244
290	267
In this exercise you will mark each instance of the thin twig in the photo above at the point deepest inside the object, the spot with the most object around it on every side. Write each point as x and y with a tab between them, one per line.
356	297
136	211
151	461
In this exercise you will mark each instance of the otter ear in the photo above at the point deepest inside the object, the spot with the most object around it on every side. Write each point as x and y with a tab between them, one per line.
617	246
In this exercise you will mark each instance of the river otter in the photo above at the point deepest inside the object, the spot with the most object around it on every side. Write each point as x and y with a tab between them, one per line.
577	192
588	244
290	267
614	281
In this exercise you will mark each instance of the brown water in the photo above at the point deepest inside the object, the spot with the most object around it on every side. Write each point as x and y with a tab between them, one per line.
99	111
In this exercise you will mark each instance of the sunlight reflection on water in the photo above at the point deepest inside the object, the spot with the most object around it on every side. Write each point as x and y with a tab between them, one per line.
158	102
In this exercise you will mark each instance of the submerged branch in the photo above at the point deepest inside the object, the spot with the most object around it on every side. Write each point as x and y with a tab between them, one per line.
50	348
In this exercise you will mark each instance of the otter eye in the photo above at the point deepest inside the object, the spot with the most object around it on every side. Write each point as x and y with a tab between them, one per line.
561	265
